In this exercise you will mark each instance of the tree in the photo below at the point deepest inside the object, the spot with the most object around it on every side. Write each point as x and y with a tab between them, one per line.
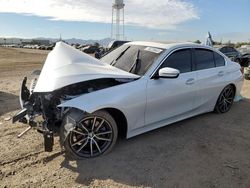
97	44
197	42
217	43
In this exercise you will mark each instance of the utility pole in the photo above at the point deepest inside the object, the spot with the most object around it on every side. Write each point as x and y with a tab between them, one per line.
117	20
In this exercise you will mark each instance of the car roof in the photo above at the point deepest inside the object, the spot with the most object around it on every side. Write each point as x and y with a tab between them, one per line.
164	45
174	45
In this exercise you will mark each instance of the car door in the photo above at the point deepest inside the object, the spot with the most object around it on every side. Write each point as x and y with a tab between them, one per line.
171	97
211	77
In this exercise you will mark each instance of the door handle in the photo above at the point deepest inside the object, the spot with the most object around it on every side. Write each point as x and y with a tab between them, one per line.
221	73
190	81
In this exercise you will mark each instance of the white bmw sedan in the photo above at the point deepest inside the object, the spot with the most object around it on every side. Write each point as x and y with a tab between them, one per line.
135	88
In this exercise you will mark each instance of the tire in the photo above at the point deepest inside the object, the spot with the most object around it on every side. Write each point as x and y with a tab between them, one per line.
225	100
83	140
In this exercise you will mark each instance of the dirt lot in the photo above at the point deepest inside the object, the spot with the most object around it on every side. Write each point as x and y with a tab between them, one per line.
210	150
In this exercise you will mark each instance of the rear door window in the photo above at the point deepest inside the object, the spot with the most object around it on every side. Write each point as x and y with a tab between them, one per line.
219	60
204	59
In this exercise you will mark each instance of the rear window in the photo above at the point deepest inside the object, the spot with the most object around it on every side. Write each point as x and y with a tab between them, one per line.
230	49
219	60
204	59
223	50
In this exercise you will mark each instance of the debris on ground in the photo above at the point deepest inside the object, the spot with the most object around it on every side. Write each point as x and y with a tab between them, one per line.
8	118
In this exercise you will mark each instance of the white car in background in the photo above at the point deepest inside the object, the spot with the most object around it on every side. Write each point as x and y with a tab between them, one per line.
136	88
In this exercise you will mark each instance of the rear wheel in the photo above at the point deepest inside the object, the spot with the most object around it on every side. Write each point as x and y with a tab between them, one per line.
225	100
95	134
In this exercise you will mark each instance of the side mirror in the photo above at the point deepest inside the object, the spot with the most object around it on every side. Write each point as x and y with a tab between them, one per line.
168	72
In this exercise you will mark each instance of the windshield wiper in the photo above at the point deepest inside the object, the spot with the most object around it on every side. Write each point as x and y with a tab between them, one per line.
136	62
121	54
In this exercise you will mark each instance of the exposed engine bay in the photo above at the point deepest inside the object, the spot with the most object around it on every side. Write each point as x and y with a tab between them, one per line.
40	109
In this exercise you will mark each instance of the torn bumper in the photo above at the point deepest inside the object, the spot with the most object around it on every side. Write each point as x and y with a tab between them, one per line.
20	116
24	100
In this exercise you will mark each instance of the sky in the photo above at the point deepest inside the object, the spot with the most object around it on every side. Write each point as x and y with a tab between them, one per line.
159	20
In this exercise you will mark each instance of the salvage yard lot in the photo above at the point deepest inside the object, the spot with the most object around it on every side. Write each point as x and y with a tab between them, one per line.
209	150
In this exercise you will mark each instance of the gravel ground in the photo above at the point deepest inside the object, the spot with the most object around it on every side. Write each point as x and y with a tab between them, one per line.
207	151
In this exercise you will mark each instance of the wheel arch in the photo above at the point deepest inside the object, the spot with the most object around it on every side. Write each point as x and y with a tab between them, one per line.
234	87
120	120
230	84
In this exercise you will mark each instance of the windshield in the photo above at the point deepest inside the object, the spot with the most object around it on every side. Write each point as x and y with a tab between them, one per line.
125	57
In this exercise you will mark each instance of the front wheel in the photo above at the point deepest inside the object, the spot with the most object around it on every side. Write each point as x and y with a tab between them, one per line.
93	135
225	100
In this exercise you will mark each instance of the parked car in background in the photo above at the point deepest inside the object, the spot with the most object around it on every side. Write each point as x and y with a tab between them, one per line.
111	46
115	44
80	47
90	49
50	47
245	49
137	87
99	53
247	73
42	47
234	55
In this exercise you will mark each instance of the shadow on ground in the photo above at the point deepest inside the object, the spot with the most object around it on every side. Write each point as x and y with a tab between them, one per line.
8	102
204	151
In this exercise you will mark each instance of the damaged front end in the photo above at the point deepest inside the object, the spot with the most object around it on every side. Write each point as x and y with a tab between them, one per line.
40	109
67	73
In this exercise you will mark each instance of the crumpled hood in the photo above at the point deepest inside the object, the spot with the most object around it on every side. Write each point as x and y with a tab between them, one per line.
66	65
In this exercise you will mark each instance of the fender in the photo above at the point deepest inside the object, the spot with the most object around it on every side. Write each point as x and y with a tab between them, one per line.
124	97
94	101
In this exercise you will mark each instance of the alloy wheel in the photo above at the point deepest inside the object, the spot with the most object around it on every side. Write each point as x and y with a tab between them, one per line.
91	137
226	99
